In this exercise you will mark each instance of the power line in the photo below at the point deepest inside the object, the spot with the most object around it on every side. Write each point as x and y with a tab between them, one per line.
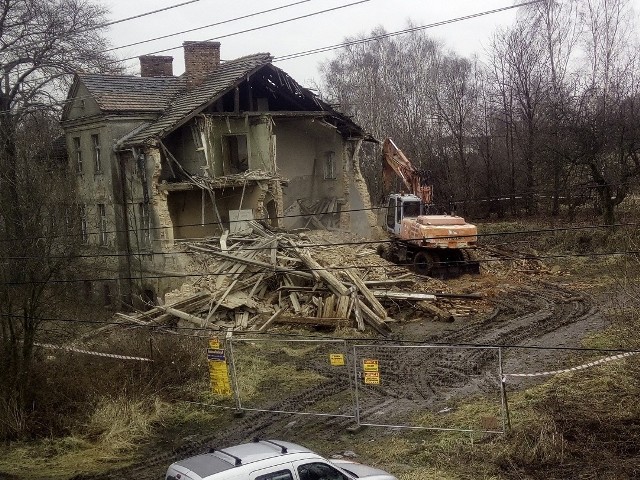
102	25
255	28
400	32
159	329
335	244
207	26
276	269
214	223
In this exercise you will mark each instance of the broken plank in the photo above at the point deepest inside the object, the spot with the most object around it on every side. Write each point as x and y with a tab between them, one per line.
440	314
334	284
402	295
376	306
293	296
299	320
256	263
271	319
374	320
328	311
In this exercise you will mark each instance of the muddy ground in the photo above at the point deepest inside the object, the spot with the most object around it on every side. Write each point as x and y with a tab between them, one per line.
526	303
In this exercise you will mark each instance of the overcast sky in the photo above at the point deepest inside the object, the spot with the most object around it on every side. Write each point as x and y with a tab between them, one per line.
466	37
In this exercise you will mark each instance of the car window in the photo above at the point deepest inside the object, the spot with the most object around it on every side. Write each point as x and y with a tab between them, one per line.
279	475
320	471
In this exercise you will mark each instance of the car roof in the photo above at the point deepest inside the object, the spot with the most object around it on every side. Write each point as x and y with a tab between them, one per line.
221	459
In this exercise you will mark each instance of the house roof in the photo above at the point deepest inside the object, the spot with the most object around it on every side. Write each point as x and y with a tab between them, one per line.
124	93
173	105
190	102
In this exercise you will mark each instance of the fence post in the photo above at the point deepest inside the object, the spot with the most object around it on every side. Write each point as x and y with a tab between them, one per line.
234	376
503	390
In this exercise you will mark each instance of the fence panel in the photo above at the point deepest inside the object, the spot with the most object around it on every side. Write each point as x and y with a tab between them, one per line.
300	376
421	386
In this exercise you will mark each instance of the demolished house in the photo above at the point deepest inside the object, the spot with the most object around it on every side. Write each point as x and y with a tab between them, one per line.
163	159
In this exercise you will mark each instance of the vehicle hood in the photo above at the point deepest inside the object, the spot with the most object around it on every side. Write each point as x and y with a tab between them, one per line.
363	471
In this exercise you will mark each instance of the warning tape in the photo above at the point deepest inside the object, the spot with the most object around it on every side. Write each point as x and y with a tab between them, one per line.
572	369
89	352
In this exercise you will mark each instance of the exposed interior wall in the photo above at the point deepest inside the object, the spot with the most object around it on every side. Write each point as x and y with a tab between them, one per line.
258	136
302	146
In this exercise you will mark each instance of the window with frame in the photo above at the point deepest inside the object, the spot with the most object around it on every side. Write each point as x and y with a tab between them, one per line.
102	219
329	165
320	471
84	224
145	225
279	475
97	159
77	152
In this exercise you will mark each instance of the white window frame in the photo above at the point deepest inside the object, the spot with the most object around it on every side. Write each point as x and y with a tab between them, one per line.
77	148
84	224
102	223
97	156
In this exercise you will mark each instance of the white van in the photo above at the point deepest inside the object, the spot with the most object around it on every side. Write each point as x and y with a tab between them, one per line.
269	460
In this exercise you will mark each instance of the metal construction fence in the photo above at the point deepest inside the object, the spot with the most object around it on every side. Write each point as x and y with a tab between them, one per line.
375	383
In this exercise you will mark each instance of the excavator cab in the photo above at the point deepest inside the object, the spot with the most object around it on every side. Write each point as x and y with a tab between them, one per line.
402	206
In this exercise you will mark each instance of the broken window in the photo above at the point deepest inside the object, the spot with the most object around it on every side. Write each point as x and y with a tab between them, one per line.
329	165
235	153
197	137
102	223
77	151
97	161
145	230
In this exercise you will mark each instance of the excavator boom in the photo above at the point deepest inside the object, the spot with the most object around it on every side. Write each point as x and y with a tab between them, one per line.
396	163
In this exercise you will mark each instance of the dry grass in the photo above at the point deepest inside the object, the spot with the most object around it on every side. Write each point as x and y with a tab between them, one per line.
110	439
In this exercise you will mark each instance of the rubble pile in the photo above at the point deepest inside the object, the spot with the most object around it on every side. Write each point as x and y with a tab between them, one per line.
261	278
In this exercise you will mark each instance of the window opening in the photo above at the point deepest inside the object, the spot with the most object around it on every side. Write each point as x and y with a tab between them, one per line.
84	224
102	214
78	154
107	294
95	140
330	165
145	230
197	137
236	154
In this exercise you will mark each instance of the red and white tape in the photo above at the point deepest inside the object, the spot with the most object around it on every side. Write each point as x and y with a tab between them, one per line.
89	352
572	369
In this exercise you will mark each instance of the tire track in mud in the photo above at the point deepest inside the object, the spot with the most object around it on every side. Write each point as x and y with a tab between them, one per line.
521	314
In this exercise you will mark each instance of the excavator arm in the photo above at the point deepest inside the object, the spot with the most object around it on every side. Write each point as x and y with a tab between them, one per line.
395	163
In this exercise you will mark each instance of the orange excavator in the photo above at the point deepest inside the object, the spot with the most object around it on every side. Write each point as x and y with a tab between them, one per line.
436	245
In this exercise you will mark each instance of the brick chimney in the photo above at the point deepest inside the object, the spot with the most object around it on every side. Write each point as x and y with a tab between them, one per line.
156	66
200	60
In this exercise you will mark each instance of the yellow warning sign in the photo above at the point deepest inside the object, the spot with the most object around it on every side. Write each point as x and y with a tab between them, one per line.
336	359
370	365
218	373
372	378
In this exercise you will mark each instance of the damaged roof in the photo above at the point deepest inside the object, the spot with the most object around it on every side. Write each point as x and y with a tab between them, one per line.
190	102
168	99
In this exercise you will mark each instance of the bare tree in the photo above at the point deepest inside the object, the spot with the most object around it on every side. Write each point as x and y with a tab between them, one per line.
41	43
602	120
